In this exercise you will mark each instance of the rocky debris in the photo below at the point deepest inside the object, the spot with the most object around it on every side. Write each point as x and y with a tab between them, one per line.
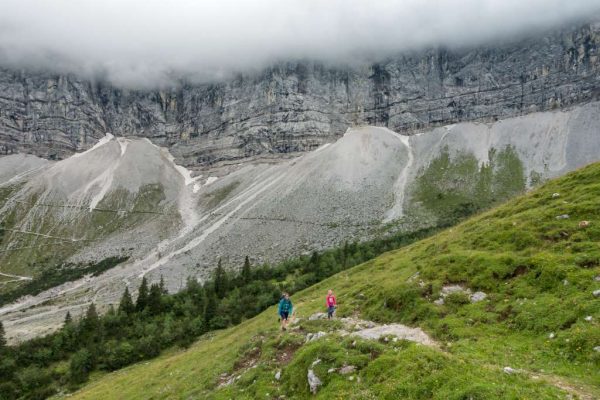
510	371
584	224
347	369
277	375
596	293
331	370
597	349
478	296
597	278
588	318
563	216
315	336
317	316
400	331
354	324
313	381
552	335
450	289
555	195
316	362
226	380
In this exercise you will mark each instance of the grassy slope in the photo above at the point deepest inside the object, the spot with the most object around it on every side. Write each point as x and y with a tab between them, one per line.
538	272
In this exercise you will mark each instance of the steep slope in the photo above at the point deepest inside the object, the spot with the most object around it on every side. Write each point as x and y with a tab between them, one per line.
127	198
531	330
300	105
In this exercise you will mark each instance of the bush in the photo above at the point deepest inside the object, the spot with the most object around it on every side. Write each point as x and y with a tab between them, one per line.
80	366
118	355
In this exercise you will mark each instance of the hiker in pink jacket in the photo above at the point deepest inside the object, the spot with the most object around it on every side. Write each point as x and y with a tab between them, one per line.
331	303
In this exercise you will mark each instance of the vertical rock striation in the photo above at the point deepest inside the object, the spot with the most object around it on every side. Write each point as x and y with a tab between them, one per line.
297	106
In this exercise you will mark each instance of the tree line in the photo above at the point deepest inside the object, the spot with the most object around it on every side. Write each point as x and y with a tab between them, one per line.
140	328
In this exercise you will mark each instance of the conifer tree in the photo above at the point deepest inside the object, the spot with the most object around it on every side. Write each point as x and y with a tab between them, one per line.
155	299
211	308
142	299
91	322
246	273
220	281
68	319
163	288
126	304
2	337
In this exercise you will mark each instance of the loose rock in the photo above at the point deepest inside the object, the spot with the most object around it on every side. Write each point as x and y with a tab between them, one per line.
398	330
478	296
584	224
555	195
588	318
317	316
509	370
596	293
563	216
348	369
314	336
278	375
597	348
313	381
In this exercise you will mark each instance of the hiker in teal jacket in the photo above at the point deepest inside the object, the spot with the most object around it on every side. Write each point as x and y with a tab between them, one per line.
285	310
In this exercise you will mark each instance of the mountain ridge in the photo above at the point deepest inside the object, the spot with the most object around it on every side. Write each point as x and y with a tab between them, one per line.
298	106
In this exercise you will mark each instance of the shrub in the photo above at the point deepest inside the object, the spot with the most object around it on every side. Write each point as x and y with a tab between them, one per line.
80	366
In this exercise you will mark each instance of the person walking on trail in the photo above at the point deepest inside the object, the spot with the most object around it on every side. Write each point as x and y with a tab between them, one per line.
331	303
285	310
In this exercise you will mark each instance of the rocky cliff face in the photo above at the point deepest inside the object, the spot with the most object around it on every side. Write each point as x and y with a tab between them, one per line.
298	106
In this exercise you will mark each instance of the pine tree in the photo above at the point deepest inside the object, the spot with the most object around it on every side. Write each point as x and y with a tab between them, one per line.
246	273
142	299
2	337
68	319
211	308
126	304
91	322
163	288
220	281
155	299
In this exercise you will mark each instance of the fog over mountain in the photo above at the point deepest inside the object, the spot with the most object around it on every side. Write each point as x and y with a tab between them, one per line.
137	43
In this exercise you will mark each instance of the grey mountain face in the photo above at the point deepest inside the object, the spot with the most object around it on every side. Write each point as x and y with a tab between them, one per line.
298	106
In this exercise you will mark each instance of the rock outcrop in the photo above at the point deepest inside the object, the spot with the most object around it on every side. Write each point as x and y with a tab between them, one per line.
297	106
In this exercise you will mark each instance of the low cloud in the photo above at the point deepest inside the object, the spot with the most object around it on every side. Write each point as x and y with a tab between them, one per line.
151	42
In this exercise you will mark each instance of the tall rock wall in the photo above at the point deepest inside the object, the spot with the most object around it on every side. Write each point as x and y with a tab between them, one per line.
297	106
